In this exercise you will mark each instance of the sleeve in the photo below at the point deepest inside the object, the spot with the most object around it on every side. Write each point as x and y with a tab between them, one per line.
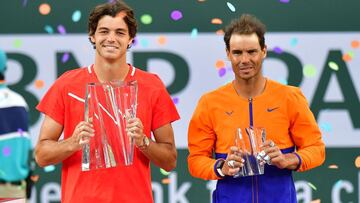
201	142
164	110
310	148
52	104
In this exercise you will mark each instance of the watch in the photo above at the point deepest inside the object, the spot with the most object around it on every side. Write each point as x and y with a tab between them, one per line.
145	144
218	165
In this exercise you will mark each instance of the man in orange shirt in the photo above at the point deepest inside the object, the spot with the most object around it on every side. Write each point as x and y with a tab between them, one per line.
112	28
293	142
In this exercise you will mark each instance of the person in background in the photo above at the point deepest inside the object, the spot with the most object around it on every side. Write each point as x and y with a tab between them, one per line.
112	28
15	143
294	141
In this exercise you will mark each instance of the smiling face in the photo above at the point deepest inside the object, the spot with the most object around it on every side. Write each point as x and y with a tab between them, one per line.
111	37
246	56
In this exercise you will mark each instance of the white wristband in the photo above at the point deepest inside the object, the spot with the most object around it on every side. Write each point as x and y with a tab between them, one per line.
220	172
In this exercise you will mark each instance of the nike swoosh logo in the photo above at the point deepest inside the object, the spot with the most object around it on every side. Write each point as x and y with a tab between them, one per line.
271	109
229	113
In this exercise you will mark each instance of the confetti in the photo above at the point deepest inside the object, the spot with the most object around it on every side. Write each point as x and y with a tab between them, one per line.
346	57
216	21
50	168
176	15
175	100
220	32
61	29
34	178
44	9
222	72
144	43
284	1
309	70
17	43
231	7
312	186
20	131
282	81
65	57
24	3
146	19
165	181
165	173
333	166
277	50
76	16
333	66
338	183
162	40
219	64
316	201
355	44
357	162
49	29
293	42
6	150
194	33
39	84
326	127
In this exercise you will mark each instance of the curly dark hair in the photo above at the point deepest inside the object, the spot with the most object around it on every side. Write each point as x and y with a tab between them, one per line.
112	9
246	24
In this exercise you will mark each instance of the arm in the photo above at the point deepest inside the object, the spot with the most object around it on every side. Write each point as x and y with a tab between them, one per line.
162	152
49	150
304	131
201	143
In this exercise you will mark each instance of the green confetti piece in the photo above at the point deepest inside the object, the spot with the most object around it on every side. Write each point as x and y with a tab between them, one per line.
333	66
146	19
17	43
309	70
312	186
351	54
165	173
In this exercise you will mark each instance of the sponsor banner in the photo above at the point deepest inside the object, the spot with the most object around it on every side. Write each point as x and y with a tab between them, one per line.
324	65
337	181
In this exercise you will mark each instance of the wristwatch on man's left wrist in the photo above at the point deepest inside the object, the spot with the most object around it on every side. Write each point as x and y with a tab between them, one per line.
145	143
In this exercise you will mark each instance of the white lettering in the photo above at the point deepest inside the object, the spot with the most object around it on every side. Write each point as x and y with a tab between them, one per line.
177	195
336	190
305	195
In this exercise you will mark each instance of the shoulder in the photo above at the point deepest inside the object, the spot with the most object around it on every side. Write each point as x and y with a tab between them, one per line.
291	93
219	92
149	80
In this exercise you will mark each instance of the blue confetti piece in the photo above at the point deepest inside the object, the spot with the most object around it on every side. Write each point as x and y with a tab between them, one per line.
194	33
282	81
49	29
325	127
50	168
231	7
284	1
144	43
293	42
76	16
